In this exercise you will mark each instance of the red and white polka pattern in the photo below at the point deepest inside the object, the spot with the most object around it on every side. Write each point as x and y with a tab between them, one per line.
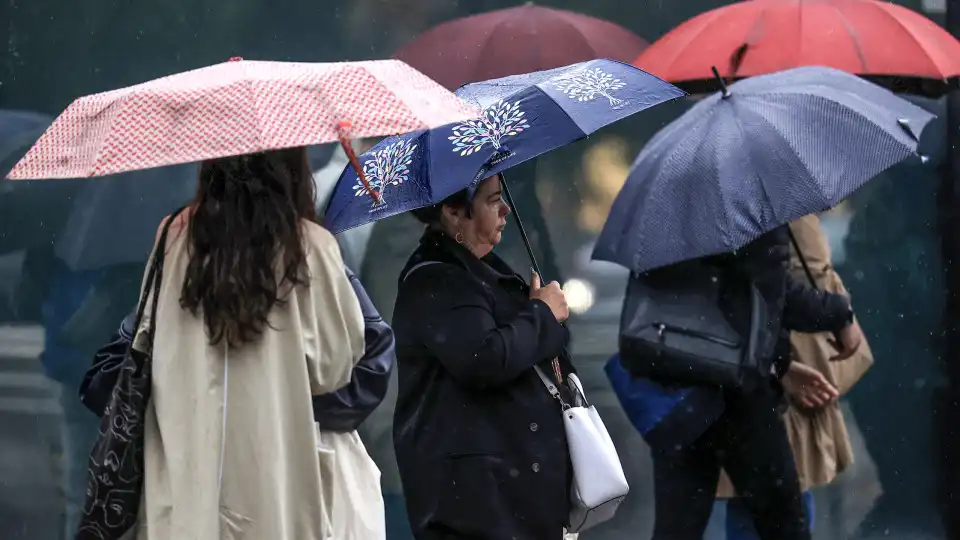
234	108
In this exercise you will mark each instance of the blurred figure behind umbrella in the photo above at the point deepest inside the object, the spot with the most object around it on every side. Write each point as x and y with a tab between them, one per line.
815	425
84	245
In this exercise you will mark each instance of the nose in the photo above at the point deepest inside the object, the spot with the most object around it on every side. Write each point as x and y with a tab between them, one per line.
505	210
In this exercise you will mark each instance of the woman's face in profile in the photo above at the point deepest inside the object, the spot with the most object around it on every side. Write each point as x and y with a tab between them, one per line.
489	215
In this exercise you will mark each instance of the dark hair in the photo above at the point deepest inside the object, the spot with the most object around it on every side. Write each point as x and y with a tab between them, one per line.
430	215
245	241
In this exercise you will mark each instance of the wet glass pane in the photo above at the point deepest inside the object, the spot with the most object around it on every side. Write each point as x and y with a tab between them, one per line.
72	253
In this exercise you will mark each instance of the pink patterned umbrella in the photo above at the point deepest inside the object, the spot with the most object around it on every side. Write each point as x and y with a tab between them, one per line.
234	108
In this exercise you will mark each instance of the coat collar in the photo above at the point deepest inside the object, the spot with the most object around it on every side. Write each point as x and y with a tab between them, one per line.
436	246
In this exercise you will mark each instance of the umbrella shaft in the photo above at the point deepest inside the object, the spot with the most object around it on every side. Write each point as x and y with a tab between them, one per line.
352	156
523	232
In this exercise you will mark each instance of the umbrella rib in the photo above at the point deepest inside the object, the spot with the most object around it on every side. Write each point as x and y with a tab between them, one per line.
486	41
256	110
723	200
714	15
854	37
910	34
750	156
788	143
103	144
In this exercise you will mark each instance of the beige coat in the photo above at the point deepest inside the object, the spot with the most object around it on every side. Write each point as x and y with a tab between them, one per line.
821	445
231	448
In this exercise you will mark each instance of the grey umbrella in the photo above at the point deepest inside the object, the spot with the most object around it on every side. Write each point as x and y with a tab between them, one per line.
746	160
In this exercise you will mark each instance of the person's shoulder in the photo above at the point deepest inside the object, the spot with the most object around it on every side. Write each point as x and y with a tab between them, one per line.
440	278
178	225
316	236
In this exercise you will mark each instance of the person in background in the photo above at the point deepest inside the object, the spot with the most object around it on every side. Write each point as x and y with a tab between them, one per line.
695	431
78	309
480	441
818	435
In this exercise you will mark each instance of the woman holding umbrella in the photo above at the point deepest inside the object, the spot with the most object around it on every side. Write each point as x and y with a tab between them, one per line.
480	446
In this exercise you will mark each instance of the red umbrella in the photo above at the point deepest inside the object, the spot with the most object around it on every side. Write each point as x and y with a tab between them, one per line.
879	40
237	108
514	41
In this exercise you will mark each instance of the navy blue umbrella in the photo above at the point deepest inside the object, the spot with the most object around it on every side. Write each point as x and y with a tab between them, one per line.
523	117
744	161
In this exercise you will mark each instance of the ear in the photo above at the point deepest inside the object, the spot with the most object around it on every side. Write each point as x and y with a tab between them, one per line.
452	214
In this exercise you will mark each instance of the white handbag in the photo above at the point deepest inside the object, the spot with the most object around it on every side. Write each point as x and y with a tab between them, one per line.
599	485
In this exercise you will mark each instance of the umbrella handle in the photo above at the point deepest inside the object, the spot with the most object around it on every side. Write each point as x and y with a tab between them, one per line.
352	156
555	363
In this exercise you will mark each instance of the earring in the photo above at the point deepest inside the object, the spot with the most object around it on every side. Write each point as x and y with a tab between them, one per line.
458	237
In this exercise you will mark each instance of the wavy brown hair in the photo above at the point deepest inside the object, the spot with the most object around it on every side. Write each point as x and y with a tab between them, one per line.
246	250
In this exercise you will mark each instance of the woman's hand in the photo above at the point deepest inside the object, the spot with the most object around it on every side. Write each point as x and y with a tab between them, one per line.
847	341
808	387
551	295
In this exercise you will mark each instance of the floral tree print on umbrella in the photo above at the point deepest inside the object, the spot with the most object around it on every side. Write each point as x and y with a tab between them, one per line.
587	84
500	120
389	166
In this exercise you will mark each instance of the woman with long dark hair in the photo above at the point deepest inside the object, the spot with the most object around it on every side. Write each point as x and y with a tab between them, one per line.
256	315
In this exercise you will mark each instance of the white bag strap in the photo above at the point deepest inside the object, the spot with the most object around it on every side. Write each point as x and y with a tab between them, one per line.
418	266
552	388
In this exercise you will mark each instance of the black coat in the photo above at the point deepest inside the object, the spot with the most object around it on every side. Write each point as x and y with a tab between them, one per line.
480	442
344	410
790	305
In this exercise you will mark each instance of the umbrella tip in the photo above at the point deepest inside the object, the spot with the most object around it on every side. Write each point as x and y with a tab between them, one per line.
236	58
723	84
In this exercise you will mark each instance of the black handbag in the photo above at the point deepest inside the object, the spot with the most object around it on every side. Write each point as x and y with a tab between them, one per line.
676	328
115	468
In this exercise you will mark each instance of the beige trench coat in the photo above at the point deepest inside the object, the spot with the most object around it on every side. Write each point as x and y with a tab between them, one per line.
231	448
821	445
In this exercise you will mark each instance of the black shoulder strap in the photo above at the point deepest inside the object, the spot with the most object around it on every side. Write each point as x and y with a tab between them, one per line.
803	260
154	276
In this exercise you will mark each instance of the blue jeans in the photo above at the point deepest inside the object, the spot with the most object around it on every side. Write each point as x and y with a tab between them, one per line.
740	523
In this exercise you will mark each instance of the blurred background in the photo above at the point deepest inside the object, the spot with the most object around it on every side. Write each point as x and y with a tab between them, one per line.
888	244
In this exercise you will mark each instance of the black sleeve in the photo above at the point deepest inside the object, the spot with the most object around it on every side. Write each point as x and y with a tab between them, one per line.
807	309
347	408
459	329
99	380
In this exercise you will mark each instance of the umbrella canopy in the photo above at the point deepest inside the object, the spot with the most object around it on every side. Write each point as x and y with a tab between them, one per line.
739	164
235	108
517	40
863	37
523	117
